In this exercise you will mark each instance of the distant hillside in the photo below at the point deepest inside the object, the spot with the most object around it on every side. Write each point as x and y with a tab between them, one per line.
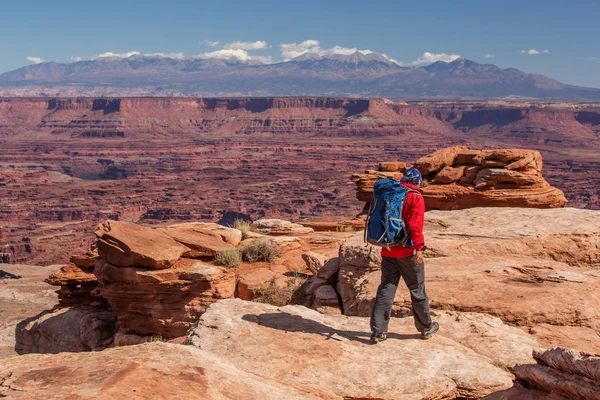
355	75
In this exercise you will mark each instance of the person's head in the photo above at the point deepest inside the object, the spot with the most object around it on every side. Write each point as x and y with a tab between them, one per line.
412	176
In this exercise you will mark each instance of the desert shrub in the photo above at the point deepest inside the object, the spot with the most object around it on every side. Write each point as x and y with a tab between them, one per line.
242	225
260	250
157	338
275	295
229	258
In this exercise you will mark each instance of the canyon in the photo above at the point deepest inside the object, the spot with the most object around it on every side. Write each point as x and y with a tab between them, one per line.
67	164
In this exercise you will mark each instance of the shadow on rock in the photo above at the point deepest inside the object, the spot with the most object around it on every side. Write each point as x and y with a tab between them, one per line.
295	323
73	329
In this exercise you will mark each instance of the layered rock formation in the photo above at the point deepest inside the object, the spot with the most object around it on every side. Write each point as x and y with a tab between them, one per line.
534	268
457	178
69	164
146	282
560	373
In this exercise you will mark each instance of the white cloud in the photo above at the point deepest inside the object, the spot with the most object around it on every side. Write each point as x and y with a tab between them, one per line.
489	55
428	58
35	60
176	56
293	50
76	58
237	45
119	55
216	43
228	53
532	52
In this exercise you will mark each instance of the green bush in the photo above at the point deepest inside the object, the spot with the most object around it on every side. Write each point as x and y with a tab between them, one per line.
229	258
242	225
260	250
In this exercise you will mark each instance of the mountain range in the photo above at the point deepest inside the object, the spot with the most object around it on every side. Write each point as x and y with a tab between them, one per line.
354	75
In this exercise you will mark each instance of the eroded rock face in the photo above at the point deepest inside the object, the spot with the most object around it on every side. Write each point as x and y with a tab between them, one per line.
562	373
148	371
67	329
126	244
331	355
460	178
533	268
164	302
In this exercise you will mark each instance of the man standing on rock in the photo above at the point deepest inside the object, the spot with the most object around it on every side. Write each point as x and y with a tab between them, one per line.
406	262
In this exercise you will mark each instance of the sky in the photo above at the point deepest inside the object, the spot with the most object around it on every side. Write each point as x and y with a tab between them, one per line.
556	38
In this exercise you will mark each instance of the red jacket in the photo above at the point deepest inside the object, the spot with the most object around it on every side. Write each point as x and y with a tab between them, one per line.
413	215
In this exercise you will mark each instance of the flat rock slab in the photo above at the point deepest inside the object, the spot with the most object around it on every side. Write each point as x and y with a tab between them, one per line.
147	371
332	355
202	240
125	244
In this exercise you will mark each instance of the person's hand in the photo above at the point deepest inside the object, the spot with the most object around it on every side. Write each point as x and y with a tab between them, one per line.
419	258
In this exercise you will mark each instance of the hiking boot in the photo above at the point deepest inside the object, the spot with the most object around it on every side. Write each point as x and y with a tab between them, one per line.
426	334
377	337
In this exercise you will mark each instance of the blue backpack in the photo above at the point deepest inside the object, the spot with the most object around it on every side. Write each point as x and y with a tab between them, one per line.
385	226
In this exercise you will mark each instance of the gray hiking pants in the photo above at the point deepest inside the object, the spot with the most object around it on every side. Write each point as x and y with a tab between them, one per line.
414	277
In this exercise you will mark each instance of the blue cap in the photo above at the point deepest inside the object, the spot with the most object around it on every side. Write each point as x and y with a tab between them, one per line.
412	176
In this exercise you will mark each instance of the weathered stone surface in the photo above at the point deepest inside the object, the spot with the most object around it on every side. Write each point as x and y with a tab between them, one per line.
22	298
125	244
332	355
466	157
571	361
392	166
230	235
164	302
449	174
147	371
557	383
279	227
314	261
359	265
326	301
436	161
203	242
76	286
66	329
352	225
497	177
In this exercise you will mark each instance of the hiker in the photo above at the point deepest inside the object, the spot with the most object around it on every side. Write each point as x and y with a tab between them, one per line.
405	261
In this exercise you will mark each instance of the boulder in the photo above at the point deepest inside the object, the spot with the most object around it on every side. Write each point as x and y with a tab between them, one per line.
147	371
331	354
125	244
449	175
393	166
278	227
434	162
66	329
359	276
499	178
326	300
314	261
327	275
201	241
163	302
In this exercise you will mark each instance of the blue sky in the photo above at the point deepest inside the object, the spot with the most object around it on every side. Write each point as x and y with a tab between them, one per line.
566	34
